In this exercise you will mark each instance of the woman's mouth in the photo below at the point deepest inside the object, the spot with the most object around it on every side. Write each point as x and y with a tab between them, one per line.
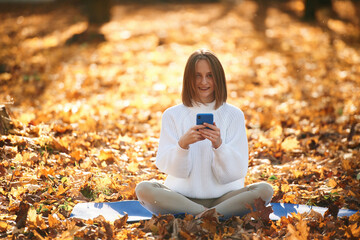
204	89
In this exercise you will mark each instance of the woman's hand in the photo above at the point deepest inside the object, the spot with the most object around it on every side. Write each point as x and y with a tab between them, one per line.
193	135
213	134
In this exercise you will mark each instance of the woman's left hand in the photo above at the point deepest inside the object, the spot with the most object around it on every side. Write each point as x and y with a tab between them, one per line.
213	134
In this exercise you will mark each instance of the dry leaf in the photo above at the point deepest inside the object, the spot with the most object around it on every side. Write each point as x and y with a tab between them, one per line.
290	144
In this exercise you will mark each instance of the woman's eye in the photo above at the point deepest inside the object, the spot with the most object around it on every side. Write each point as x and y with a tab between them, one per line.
209	75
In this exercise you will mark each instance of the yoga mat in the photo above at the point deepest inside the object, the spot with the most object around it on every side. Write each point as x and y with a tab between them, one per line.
136	212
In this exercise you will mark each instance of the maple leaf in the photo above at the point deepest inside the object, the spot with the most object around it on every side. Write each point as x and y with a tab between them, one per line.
263	212
298	232
259	217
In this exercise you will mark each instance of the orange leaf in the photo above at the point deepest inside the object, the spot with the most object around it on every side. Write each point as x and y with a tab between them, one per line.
355	217
3	226
299	232
346	164
77	155
61	190
53	221
332	183
119	223
106	155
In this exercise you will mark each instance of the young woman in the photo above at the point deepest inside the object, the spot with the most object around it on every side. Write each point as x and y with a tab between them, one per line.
206	164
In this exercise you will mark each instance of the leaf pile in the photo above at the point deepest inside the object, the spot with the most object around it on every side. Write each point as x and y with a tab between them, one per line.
87	116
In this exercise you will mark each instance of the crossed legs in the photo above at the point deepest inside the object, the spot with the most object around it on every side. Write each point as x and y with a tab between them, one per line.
159	199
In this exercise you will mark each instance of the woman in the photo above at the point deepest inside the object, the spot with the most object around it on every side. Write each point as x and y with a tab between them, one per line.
206	164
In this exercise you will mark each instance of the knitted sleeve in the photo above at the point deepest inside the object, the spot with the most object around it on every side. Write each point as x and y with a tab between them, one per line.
231	158
171	158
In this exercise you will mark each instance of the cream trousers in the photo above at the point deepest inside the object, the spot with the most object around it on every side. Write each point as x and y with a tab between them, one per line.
159	199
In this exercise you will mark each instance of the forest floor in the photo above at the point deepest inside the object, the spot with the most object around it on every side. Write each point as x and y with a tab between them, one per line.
87	115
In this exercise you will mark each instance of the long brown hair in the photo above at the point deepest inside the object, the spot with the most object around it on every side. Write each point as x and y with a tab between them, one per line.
189	91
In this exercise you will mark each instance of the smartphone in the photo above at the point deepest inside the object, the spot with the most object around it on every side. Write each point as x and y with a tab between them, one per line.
204	117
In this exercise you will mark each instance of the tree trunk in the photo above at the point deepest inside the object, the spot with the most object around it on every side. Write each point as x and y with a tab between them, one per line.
98	12
310	10
260	18
311	6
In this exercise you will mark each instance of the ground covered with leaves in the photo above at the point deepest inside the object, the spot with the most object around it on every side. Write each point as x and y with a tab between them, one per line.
87	115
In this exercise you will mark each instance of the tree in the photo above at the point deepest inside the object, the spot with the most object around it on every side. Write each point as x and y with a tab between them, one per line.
98	13
312	6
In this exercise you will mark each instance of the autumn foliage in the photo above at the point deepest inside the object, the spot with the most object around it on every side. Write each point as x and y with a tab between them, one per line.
86	116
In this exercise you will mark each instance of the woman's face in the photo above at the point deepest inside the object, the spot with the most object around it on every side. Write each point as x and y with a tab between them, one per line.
204	85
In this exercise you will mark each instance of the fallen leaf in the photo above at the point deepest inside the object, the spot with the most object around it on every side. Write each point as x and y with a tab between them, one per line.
3	226
290	144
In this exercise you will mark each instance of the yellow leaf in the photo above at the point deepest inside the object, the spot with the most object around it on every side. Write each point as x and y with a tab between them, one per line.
290	144
3	226
105	155
298	173
32	215
285	188
5	76
124	139
133	167
264	141
275	132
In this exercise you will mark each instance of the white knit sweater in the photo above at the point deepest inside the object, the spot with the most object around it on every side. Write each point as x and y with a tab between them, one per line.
202	171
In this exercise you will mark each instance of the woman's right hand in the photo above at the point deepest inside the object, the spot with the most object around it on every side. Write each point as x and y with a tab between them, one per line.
191	136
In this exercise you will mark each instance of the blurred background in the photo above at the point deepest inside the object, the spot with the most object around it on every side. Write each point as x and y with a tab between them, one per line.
74	49
95	62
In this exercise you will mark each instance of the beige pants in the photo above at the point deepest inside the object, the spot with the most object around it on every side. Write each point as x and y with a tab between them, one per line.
159	199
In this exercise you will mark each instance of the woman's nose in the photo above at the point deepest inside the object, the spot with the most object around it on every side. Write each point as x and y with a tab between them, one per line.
203	79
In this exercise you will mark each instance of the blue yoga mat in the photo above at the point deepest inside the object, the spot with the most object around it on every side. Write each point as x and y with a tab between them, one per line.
136	212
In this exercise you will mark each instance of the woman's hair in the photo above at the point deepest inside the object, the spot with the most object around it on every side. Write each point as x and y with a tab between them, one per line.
189	91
